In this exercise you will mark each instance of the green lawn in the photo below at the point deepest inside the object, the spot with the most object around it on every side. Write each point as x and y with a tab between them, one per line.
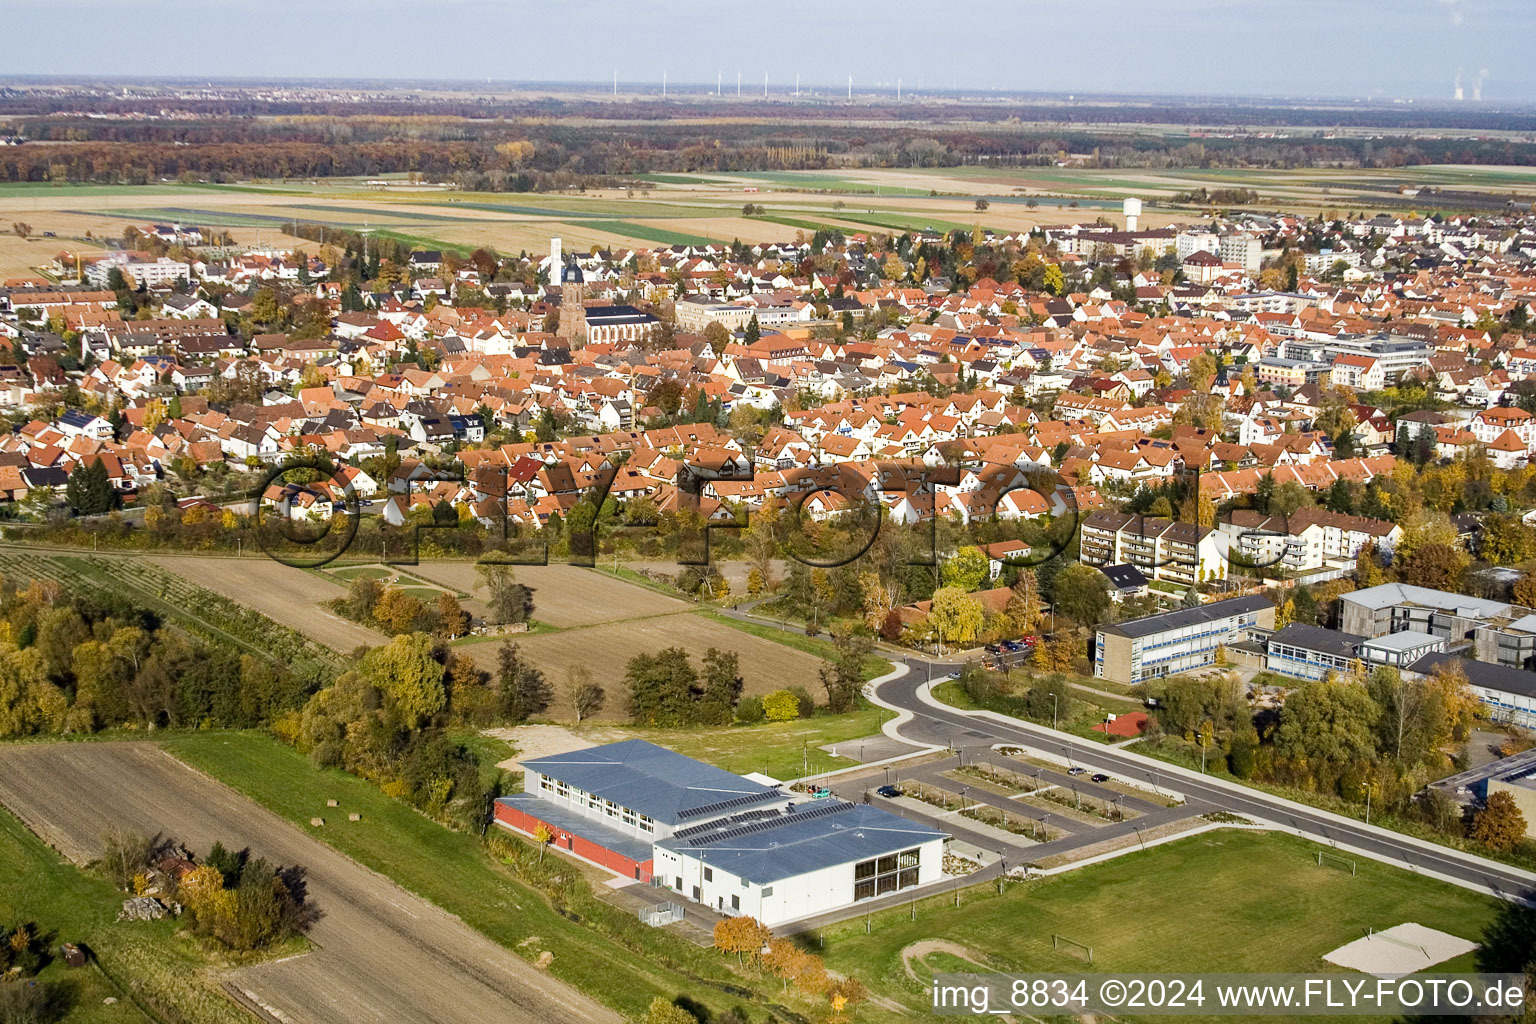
37	886
452	870
1221	901
784	750
874	664
1088	709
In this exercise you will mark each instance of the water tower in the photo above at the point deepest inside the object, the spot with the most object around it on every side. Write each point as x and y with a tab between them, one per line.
1132	209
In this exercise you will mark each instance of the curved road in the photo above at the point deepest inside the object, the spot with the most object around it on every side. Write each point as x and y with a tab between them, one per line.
934	724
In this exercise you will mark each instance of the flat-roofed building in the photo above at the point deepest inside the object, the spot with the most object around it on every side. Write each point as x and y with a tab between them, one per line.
1399	650
1395	607
1507	694
819	856
1169	643
733	844
1311	652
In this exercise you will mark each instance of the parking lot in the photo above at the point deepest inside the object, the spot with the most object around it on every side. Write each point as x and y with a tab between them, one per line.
1020	809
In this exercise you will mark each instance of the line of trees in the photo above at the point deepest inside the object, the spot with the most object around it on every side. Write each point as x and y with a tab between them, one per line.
80	662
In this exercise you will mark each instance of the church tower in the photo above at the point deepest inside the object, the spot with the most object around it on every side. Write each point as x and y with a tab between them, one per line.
573	311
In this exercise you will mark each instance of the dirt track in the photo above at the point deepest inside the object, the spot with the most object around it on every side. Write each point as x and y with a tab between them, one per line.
385	956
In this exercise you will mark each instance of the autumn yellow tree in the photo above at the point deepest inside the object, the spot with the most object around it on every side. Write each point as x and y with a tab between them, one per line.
1499	825
744	936
955	617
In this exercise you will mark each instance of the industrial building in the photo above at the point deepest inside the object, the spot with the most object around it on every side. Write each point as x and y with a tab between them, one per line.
734	844
1178	641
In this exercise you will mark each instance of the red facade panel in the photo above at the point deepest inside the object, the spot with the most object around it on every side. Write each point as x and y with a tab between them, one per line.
619	864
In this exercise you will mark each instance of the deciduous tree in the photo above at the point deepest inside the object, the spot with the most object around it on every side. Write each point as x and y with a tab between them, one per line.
1499	825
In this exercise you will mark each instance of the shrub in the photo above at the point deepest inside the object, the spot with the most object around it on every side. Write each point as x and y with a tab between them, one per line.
781	706
750	711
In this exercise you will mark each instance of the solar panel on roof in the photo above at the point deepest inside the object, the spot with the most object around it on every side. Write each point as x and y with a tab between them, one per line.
836	807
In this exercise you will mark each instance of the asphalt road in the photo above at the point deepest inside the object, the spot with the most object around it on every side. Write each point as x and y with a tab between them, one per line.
975	733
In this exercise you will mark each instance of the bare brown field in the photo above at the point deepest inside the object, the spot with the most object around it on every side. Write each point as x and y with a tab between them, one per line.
384	955
605	650
563	595
292	597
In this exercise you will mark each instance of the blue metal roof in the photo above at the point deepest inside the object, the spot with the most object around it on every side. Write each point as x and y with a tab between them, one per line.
813	835
654	781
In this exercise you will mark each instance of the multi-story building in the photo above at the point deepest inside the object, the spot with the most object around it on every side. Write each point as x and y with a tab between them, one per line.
1394	353
696	312
139	269
1358	372
1162	549
1186	243
1290	373
1244	250
1306	541
1178	641
1310	652
1491	424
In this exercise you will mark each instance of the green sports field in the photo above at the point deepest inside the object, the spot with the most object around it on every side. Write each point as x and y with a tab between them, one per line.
1227	900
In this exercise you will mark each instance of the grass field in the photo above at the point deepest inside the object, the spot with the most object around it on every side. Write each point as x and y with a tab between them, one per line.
1221	901
784	750
38	886
1088	709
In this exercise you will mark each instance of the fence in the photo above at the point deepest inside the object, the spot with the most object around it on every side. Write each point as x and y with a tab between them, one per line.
661	913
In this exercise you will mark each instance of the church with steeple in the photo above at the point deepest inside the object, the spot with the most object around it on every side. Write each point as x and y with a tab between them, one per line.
573	311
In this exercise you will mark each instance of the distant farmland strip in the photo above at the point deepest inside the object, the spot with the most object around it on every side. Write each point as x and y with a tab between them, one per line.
792	222
219	218
661	236
388	212
528	211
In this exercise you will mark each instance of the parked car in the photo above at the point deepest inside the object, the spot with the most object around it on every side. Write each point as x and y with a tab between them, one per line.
1077	770
1100	777
953	673
1029	642
889	792
1013	645
994	648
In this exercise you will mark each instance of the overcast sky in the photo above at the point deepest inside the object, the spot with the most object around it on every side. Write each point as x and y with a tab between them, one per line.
1346	48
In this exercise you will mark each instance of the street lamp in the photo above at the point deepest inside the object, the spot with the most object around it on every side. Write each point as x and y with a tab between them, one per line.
1053	711
1367	787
